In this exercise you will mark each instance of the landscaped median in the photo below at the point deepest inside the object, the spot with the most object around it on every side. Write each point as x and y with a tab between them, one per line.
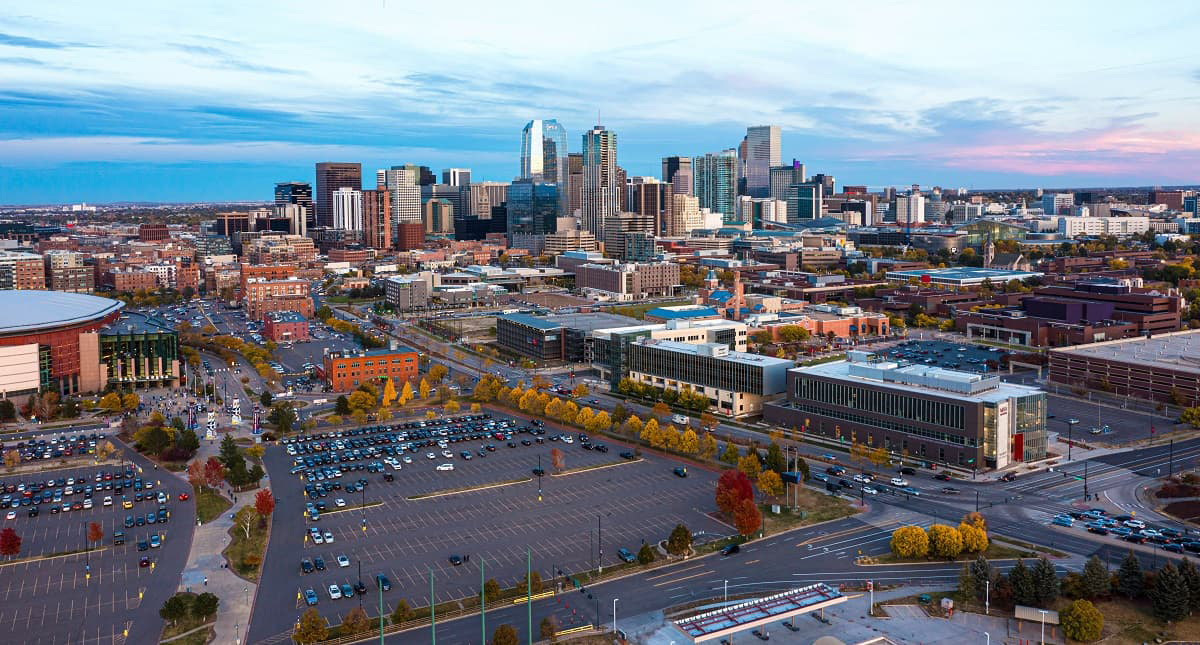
584	469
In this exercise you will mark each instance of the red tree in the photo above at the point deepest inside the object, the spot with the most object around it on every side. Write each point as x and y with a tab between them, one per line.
10	542
264	502
732	488
746	517
195	475
214	472
95	532
558	459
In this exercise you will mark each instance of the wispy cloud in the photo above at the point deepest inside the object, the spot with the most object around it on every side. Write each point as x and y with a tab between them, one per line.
220	58
21	61
12	40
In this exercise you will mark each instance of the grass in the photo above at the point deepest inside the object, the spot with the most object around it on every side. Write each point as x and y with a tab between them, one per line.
202	637
994	551
245	554
187	624
812	507
639	311
210	505
824	359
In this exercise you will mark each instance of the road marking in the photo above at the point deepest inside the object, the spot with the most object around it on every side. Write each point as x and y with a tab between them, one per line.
671	582
676	572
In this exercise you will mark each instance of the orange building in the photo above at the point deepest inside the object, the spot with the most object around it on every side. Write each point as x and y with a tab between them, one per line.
262	295
268	271
345	371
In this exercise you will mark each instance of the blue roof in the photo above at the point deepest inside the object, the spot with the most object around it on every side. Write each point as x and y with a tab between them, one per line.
720	295
530	321
691	312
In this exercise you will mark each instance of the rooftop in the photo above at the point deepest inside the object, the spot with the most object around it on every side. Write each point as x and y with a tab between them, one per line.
286	316
964	274
1175	351
28	311
743	615
868	368
685	311
136	322
400	349
714	350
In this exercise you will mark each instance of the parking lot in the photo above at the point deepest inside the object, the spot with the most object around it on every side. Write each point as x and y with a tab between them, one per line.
940	353
407	539
72	593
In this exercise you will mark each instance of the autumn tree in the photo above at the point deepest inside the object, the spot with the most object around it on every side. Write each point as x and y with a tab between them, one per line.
770	483
214	472
95	532
424	389
402	612
111	402
12	458
680	540
732	488
355	621
195	475
389	393
751	466
730	454
264	503
10	542
661	410
746	517
548	628
505	635
438	373
974	539
312	628
910	542
708	446
558	460
130	402
689	443
1081	621
945	541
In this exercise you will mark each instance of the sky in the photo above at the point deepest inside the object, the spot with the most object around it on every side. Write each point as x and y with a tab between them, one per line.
215	101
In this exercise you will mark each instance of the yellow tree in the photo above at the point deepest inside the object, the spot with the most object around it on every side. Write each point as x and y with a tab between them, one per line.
671	438
689	443
708	446
554	408
430	414
111	402
661	410
424	389
584	417
910	542
475	407
389	393
406	392
569	412
945	541
974	539
580	391
770	483
452	407
749	464
528	400
650	432
600	423
635	426
130	401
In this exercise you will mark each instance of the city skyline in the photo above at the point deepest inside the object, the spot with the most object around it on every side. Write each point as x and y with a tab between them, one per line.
112	103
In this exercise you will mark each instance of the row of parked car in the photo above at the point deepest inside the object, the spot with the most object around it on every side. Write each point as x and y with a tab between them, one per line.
1131	529
55	447
346	590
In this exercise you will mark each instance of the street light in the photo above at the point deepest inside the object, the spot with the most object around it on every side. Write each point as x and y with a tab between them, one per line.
1043	612
1070	441
615	615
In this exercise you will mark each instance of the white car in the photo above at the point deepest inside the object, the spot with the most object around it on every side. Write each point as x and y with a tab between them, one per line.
444	467
862	478
318	538
447	454
335	592
869	490
396	465
12	515
1135	524
431	455
328	537
343	561
407	459
108	500
339	502
87	503
899	481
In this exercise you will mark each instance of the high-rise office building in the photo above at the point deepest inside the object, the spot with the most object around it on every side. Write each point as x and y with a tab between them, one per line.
401	184
456	176
376	219
784	176
910	209
761	153
574	184
804	202
482	196
331	176
296	192
827	183
544	156
446	192
439	217
347	209
1057	203
648	196
624	232
677	171
601	194
532	207
684	215
715	183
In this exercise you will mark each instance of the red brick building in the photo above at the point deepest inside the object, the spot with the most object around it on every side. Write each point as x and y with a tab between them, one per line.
410	235
286	326
346	371
130	280
153	233
262	296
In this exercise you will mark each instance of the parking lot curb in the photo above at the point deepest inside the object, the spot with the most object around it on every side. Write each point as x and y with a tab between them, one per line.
422	497
40	558
588	469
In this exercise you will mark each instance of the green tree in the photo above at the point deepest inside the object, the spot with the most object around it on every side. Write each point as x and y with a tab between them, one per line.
910	542
205	605
1130	579
312	628
341	407
282	416
645	555
1169	596
1095	581
981	569
228	454
1045	582
730	455
265	398
1021	580
966	584
8	411
680	540
1192	578
548	628
403	613
155	440
175	608
1081	621
775	458
505	635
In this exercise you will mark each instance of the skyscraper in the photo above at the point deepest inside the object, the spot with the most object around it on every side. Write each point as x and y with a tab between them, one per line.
376	217
715	182
348	209
332	175
804	202
299	193
601	194
648	196
827	182
401	184
574	184
784	176
910	209
677	171
456	176
532	207
762	144
544	156
684	215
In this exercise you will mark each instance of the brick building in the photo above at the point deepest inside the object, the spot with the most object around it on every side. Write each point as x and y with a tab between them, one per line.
344	371
286	326
410	235
627	282
153	233
22	271
131	280
262	295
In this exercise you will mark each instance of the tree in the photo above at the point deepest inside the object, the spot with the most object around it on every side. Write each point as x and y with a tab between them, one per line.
264	502
775	458
1170	595
214	472
549	628
12	458
1095	581
174	608
402	613
130	402
186	444
750	465
580	391
8	411
910	542
533	580
110	402
708	446
282	416
154	440
732	487
746	517
557	459
770	483
1130	579
491	589
974	539
205	605
1045	582
505	635
195	475
342	406
981	570
1191	577
360	400
730	454
645	555
10	542
355	621
680	540
1021	580
228	453
966	584
438	373
424	389
265	398
95	532
311	628
452	407
1081	621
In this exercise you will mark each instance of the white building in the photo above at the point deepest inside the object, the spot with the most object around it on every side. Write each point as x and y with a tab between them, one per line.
910	209
1057	203
406	196
347	209
685	215
1072	227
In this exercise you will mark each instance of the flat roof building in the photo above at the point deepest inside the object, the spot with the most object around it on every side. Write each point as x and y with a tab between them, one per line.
961	276
928	414
734	382
1163	368
344	371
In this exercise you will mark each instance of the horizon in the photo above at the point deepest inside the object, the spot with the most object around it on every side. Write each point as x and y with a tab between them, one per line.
114	104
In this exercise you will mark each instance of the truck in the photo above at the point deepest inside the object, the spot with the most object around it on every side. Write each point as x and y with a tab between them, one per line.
679	418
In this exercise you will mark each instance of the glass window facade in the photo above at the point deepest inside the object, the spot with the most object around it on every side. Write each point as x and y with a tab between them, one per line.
708	371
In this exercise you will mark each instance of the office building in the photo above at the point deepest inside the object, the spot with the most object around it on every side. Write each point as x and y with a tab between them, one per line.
409	236
346	370
827	183
610	345
1071	227
684	216
601	191
458	177
532	207
574	184
1058	203
761	212
677	171
376	219
562	241
230	224
330	177
153	232
734	382
405	293
544	151
762	152
348	209
804	202
926	414
439	218
262	296
910	209
481	197
299	193
783	177
286	327
625	236
628	282
648	196
401	184
715	183
22	271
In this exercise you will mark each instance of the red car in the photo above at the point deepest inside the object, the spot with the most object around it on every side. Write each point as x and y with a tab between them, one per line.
183	497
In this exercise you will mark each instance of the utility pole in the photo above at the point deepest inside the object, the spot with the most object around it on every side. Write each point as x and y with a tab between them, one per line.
482	604
379	586
1171	459
432	611
529	590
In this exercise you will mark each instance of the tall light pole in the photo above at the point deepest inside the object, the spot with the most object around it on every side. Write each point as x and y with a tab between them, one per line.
615	615
1043	612
1070	441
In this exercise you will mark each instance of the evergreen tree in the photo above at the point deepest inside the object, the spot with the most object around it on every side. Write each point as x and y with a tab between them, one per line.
1045	582
1095	582
1130	580
1021	580
229	451
966	584
1170	594
1191	577
775	458
982	571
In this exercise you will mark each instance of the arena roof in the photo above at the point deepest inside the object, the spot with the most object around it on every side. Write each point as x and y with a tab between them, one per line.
31	311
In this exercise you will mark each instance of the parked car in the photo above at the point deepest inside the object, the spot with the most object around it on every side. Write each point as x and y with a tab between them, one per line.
730	549
625	555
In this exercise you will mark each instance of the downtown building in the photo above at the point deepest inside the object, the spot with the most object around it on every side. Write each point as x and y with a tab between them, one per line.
601	186
330	177
715	183
759	153
736	383
932	415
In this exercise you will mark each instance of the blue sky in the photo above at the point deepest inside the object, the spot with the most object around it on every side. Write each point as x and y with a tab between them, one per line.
153	101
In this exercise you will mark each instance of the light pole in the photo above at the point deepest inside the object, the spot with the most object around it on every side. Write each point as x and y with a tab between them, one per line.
987	597
1070	431
1043	612
726	591
615	615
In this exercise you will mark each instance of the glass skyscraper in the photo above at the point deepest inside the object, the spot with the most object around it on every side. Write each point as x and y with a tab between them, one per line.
601	194
715	179
544	155
532	207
